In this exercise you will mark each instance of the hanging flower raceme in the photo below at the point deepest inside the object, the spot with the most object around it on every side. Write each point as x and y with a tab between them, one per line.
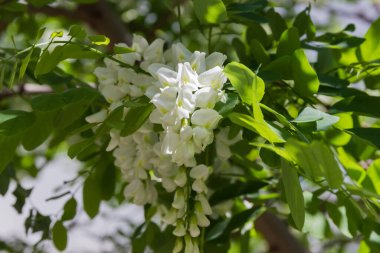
184	88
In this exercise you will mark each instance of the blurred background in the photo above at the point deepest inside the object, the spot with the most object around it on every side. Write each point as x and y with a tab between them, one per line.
109	231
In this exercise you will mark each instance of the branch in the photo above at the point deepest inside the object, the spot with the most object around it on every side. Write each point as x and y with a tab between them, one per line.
99	16
277	235
26	89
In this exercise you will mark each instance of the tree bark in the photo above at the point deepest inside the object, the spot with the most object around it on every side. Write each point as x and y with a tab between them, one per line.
277	235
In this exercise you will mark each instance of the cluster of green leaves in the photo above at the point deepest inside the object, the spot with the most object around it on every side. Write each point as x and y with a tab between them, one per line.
307	132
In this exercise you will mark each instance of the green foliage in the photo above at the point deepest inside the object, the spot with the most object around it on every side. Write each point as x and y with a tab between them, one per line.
59	235
307	131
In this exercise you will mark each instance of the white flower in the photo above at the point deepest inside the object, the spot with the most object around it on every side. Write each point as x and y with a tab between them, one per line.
199	186
167	77
189	247
165	101
204	204
202	137
168	184
179	199
170	142
106	76
139	43
180	53
200	171
206	97
178	246
193	227
215	59
171	216
198	62
223	143
97	117
207	118
184	154
214	78
112	92
179	229
202	220
181	178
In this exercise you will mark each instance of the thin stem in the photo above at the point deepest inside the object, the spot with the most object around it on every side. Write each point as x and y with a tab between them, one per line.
202	242
179	19
209	40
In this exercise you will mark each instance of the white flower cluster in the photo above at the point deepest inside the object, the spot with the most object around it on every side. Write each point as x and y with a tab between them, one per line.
184	105
184	88
134	154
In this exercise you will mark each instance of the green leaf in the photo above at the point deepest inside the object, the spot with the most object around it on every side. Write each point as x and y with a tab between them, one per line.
100	40
249	86
280	68
304	24
370	49
13	75
47	102
77	148
233	190
373	173
223	228
362	104
210	11
279	151
76	31
289	42
48	61
293	193
69	210
261	127
371	135
14	122
76	101
20	194
5	179
324	120
276	23
317	160
59	234
135	118
8	145
226	108
91	196
259	52
39	131
256	32
26	60
122	50
306	81
56	34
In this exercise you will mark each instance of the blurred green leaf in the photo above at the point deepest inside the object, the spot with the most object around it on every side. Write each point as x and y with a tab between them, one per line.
276	23
69	209
14	122
370	49
323	120
370	134
362	104
289	42
293	193
305	78
317	160
260	127
210	11
135	118
100	40
59	235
